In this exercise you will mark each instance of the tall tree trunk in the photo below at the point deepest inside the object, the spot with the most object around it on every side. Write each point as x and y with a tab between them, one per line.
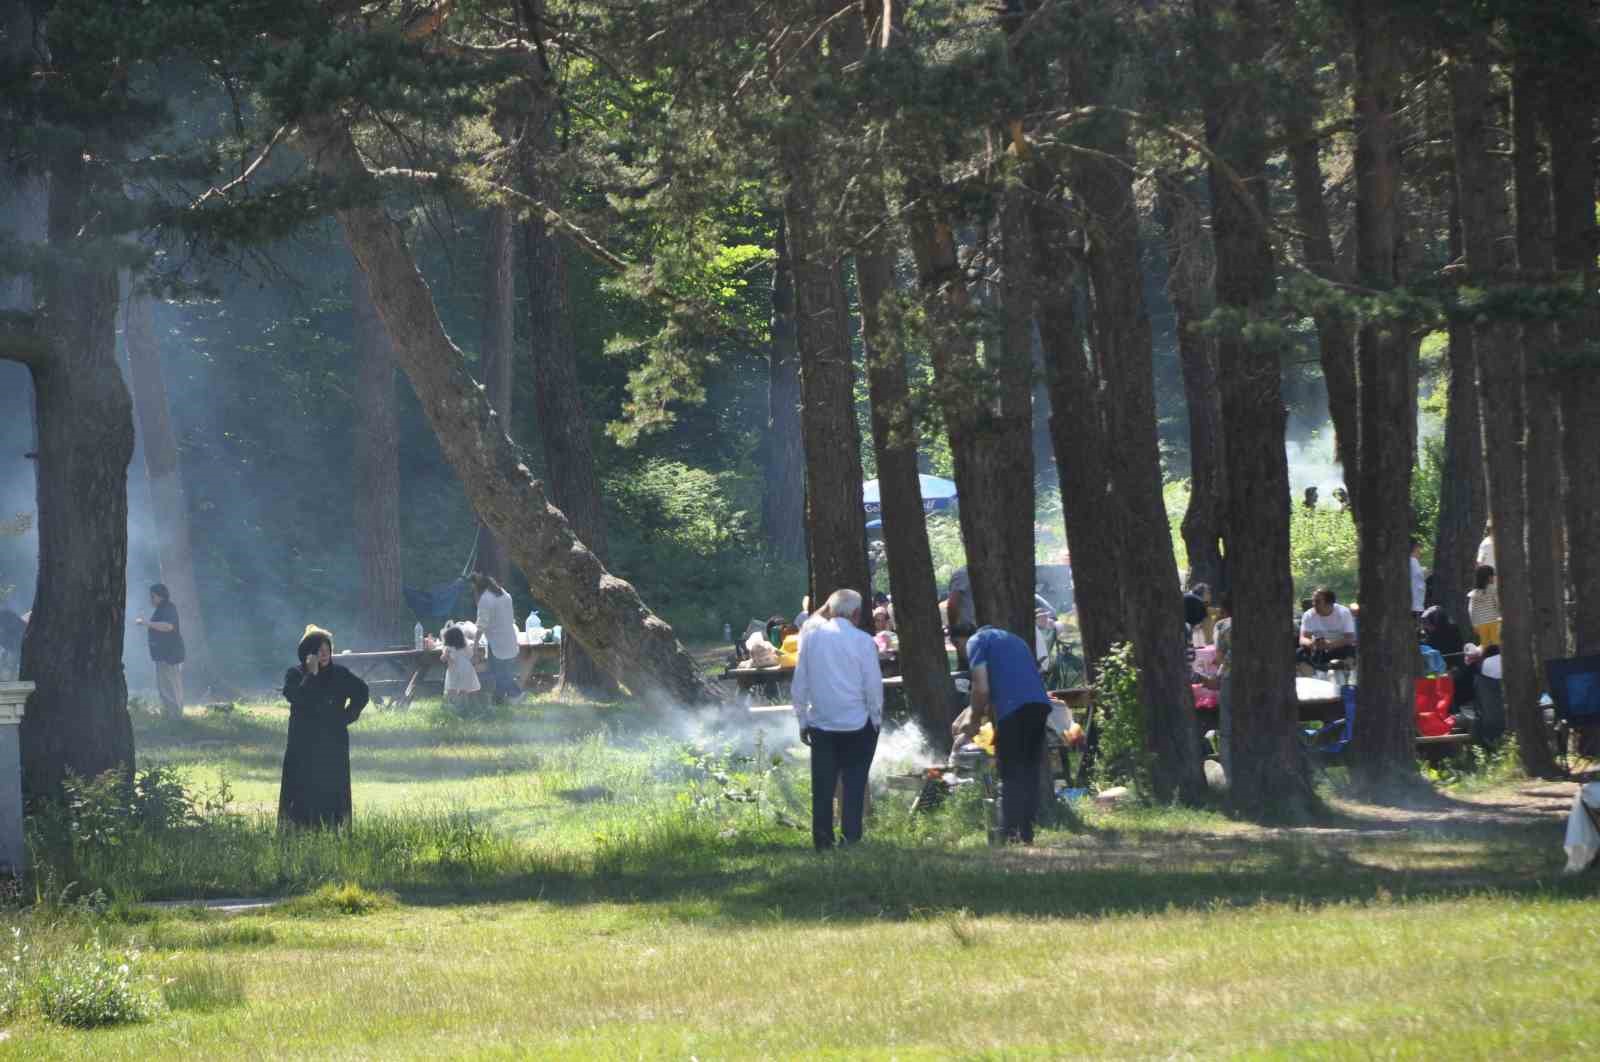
563	425
978	443
604	613
1268	778
1077	426
830	434
381	616
1335	333
168	502
905	529
77	717
1463	505
1491	264
1384	740
783	499
1008	427
1572	174
497	358
1102	178
1546	528
1191	265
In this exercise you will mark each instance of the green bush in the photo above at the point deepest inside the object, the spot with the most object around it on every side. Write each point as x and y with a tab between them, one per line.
1124	756
347	898
91	987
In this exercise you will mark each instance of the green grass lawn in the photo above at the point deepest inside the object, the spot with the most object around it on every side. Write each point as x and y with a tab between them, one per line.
588	881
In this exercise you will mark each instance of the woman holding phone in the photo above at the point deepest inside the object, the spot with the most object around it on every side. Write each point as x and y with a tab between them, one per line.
324	699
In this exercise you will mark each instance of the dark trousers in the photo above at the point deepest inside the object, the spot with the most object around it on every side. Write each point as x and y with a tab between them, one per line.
1018	745
840	755
1324	659
503	678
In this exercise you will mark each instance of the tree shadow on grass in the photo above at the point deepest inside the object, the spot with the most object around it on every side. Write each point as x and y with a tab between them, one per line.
879	882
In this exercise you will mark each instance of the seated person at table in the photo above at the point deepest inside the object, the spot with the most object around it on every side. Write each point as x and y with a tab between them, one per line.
1441	633
1327	632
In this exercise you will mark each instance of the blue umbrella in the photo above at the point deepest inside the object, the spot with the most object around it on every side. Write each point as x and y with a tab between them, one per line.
937	494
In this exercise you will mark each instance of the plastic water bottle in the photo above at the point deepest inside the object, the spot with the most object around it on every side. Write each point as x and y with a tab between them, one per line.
555	633
534	623
416	636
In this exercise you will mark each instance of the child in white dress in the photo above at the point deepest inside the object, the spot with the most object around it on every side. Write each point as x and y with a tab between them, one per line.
461	683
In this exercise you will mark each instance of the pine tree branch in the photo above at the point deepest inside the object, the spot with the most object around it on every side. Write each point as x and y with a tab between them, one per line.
483	186
245	175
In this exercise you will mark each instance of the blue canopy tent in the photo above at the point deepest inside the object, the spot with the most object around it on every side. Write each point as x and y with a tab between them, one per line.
937	494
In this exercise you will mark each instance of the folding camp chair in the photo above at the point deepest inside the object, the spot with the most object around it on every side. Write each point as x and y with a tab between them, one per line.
1575	692
1323	741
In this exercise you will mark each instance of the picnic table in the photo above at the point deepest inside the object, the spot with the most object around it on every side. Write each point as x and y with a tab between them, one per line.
751	677
403	673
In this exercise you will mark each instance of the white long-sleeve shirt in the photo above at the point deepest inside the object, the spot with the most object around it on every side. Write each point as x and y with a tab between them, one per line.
838	684
498	623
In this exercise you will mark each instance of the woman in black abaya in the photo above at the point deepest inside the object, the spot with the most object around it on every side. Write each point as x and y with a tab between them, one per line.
324	699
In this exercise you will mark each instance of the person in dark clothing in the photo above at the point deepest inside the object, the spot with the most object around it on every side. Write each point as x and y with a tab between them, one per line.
1441	633
1196	604
166	649
324	699
1006	687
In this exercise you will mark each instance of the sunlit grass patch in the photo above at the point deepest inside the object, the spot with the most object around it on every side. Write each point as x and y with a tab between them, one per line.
203	987
346	898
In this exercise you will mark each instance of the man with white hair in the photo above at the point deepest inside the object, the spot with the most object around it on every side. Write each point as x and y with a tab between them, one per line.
838	700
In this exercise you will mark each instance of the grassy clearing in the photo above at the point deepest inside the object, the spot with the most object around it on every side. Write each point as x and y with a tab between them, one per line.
565	882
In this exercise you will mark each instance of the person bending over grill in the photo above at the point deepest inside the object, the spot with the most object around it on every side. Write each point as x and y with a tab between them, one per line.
1007	689
838	700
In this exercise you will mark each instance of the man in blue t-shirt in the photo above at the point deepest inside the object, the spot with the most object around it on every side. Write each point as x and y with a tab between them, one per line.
1007	689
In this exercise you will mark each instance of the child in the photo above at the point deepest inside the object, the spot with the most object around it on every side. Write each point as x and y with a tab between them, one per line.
460	677
1483	607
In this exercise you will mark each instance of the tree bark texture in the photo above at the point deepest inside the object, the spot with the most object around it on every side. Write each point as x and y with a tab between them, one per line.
1191	274
1077	426
382	620
604	613
1572	179
923	662
1335	332
1268	778
1384	742
497	357
77	717
973	398
1491	264
783	501
563	424
1007	427
830	434
1463	502
1102	179
1546	526
168	502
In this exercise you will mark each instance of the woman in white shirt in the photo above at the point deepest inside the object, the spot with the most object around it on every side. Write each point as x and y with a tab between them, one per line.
497	625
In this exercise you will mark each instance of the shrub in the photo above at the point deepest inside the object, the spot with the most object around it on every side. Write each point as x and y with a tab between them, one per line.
92	987
346	898
1124	757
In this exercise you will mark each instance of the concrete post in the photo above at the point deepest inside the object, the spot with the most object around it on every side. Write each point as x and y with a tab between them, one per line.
13	853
